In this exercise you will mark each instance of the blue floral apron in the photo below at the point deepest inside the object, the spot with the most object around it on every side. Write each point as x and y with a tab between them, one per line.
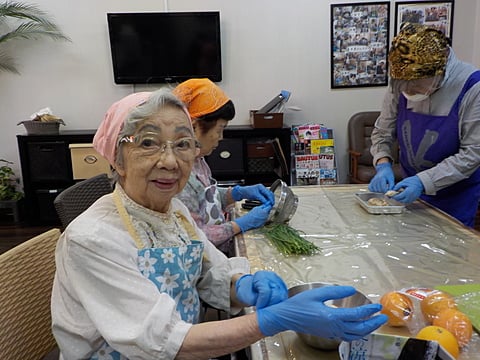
174	270
426	140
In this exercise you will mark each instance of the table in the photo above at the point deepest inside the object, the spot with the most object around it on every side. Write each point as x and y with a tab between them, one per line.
375	253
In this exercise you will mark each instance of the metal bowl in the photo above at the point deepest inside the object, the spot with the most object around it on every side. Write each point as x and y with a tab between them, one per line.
318	342
285	203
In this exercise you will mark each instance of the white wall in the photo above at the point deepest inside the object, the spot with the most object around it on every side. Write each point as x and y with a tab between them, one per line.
268	45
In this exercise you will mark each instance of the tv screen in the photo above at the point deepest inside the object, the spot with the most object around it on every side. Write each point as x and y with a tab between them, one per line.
165	47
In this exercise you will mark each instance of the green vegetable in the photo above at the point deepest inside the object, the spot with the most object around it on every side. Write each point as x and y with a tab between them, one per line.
288	240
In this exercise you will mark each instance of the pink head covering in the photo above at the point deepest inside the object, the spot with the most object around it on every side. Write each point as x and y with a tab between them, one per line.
106	137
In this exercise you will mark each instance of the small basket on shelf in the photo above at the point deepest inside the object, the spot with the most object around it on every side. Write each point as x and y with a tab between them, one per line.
43	125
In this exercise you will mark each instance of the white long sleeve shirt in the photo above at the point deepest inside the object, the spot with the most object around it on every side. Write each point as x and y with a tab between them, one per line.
99	293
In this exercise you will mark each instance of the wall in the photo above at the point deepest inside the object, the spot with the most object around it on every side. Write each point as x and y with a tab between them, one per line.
268	45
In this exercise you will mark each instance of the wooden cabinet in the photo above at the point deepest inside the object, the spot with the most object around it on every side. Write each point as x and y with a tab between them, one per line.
46	164
249	155
245	156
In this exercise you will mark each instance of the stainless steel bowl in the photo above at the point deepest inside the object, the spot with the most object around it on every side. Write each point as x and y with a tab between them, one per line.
318	342
285	203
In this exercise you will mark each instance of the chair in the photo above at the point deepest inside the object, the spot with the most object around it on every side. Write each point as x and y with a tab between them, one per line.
360	127
74	200
26	279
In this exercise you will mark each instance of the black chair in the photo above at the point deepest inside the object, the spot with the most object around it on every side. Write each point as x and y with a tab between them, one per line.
360	128
74	200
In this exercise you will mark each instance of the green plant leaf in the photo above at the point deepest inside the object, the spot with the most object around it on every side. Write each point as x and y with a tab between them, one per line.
28	22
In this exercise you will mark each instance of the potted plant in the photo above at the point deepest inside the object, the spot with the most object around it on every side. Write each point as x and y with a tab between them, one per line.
24	21
8	182
10	197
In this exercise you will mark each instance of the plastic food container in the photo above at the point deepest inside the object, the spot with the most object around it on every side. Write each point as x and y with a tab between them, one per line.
393	207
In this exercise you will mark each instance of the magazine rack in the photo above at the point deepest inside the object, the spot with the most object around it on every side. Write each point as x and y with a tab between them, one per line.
314	155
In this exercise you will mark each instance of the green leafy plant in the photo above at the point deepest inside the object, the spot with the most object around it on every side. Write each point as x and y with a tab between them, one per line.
23	21
8	182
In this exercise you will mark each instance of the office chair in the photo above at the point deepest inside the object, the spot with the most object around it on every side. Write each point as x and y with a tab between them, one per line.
26	279
361	169
74	200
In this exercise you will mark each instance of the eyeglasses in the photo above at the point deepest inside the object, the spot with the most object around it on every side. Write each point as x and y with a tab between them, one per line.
150	144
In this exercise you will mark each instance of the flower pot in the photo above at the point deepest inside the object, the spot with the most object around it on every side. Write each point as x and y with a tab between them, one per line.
11	211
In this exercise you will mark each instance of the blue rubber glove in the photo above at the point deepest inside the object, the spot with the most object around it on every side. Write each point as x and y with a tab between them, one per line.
253	192
262	289
412	189
384	179
255	218
306	313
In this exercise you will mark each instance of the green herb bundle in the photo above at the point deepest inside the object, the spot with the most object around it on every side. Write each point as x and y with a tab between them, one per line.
288	240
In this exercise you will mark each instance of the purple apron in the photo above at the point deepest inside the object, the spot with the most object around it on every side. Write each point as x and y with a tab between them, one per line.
426	140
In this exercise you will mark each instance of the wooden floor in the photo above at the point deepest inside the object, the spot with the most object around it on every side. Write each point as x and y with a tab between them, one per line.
12	235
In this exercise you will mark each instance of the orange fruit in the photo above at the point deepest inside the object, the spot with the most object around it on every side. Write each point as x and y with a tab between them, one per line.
436	302
457	323
444	337
398	307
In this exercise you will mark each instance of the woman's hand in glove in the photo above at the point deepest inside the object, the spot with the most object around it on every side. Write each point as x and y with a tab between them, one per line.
384	179
255	218
412	187
307	313
262	289
253	192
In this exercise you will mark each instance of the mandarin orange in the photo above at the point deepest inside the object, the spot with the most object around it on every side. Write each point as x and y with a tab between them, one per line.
457	323
436	302
398	307
444	337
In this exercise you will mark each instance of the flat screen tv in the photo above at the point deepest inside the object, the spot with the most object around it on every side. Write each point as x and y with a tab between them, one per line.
165	47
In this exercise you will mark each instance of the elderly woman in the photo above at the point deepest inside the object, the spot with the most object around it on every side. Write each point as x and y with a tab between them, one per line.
211	110
433	109
132	268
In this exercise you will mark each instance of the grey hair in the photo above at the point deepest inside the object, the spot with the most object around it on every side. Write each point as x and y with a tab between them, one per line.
157	100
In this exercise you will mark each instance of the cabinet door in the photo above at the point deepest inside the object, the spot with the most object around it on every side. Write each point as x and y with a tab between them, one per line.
227	158
48	161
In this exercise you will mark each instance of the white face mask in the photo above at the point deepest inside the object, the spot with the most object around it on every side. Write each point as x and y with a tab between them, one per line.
416	97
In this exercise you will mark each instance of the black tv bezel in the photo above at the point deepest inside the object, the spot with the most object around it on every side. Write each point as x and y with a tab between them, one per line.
174	78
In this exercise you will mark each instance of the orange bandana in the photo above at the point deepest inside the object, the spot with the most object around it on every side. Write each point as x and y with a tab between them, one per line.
201	96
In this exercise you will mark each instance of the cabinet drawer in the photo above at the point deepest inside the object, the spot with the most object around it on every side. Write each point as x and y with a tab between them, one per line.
46	210
87	162
48	161
227	158
260	149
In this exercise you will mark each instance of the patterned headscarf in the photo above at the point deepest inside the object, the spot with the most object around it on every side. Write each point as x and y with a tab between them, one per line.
418	52
201	96
105	140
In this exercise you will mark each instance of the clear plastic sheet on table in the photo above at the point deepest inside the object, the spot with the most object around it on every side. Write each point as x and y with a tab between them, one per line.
376	253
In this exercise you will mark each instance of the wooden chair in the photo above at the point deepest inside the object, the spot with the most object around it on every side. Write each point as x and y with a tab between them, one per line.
74	200
361	169
26	279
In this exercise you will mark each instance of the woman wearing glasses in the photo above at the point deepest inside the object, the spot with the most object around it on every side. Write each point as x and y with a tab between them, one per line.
132	268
